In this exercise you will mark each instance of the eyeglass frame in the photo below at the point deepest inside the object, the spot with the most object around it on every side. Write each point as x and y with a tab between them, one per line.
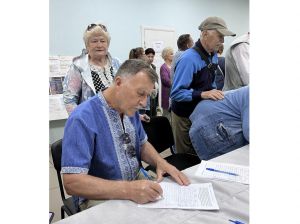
129	148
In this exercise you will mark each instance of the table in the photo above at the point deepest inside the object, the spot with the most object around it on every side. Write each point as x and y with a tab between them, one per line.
233	200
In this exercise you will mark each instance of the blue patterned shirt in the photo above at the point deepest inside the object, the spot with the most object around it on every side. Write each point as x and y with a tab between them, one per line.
92	142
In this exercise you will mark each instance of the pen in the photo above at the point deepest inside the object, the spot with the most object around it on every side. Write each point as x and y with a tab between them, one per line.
160	197
235	221
145	173
221	171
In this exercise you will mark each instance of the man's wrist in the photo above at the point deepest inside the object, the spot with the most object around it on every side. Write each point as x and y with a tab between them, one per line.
202	95
160	162
196	94
127	190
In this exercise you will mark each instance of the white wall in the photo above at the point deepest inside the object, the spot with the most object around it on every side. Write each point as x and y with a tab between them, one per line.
69	18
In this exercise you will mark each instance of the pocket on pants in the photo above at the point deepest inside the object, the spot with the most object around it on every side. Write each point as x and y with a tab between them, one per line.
216	137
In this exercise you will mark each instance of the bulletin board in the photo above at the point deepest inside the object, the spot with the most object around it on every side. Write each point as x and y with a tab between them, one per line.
58	67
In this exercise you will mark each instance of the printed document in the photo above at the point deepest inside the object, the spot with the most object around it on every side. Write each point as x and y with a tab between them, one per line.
223	171
193	196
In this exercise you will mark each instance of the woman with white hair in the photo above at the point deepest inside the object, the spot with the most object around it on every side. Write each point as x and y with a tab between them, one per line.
93	70
165	76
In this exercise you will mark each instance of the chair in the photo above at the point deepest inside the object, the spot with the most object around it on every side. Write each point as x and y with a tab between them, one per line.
68	203
160	135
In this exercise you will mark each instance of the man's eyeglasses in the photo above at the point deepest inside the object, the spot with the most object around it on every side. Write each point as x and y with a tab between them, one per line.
129	148
92	25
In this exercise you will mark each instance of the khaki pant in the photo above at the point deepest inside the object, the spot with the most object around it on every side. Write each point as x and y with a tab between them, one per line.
90	203
167	114
181	127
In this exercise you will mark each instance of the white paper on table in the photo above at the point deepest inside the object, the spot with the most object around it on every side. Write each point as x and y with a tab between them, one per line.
242	171
193	196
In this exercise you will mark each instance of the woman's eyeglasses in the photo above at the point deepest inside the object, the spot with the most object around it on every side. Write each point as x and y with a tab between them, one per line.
129	148
92	25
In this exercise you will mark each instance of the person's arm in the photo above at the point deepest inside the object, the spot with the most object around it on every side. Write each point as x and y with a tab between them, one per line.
72	88
90	187
182	79
165	76
151	156
241	57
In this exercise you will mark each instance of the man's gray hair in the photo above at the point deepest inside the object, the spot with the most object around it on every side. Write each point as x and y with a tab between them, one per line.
134	66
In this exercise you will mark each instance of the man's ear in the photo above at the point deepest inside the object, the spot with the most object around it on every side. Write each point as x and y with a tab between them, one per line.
118	81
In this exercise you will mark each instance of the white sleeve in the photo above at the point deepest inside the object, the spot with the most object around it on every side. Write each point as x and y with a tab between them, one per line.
241	56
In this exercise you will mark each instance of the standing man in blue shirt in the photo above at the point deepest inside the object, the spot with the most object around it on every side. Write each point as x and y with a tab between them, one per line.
194	79
104	143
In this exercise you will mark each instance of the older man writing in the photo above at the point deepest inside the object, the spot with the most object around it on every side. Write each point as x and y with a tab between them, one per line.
104	143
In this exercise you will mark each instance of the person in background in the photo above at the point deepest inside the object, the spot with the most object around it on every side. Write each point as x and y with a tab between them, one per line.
194	79
237	63
139	53
104	143
165	76
150	53
92	71
184	42
220	75
221	126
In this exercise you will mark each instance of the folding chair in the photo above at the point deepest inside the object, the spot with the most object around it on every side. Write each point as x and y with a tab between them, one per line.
160	135
68	203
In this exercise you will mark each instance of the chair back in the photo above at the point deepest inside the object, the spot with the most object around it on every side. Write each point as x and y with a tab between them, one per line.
160	133
56	150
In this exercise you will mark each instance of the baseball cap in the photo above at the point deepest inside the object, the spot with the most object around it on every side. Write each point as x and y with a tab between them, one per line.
216	23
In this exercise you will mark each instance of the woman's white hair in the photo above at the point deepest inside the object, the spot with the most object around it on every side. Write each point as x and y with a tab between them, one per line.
95	31
166	51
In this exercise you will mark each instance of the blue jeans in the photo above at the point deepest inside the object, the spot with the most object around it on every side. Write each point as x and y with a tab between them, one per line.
221	126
